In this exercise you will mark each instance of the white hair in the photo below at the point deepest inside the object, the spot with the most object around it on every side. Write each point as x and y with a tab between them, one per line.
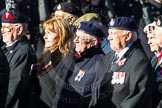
89	38
134	35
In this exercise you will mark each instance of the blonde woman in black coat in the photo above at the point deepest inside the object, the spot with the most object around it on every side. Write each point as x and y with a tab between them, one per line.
54	63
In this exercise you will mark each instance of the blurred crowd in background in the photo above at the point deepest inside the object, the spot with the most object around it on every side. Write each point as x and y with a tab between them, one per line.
143	12
38	10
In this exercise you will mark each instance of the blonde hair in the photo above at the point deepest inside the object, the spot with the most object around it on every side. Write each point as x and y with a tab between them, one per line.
64	32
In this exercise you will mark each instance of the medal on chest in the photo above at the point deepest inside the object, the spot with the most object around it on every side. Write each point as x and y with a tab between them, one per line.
118	78
80	75
159	68
159	74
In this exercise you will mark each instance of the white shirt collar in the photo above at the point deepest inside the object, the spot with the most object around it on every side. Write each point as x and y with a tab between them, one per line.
8	45
122	52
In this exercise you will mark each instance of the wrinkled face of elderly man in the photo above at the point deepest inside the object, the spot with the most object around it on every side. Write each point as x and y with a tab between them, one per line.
84	41
119	39
11	32
153	41
158	33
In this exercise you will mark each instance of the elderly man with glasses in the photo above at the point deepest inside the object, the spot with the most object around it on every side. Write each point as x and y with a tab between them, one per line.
88	59
18	52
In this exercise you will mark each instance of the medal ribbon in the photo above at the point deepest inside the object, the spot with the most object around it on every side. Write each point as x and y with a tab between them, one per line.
159	72
159	59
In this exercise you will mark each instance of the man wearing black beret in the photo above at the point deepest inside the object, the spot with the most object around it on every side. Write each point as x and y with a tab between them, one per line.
88	59
126	69
68	11
18	52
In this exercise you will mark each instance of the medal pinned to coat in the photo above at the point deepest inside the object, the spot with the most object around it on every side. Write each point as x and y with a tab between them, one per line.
80	75
158	68
118	78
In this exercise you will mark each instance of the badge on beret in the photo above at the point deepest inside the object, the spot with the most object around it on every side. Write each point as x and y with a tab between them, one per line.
118	78
7	15
59	7
158	22
151	28
112	22
80	75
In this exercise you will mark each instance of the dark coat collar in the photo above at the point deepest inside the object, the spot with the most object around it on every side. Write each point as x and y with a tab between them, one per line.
48	61
89	53
23	40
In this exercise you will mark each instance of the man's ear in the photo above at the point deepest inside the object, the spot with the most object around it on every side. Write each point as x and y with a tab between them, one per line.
95	42
129	36
19	29
72	20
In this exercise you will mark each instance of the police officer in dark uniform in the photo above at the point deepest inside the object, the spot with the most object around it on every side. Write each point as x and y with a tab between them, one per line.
88	59
19	55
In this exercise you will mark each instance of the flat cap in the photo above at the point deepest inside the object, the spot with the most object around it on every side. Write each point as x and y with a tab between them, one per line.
13	16
69	8
123	23
91	28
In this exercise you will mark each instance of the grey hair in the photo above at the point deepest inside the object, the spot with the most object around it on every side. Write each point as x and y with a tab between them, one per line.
25	27
90	37
134	35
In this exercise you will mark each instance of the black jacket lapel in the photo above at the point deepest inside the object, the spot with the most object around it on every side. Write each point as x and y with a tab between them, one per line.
116	67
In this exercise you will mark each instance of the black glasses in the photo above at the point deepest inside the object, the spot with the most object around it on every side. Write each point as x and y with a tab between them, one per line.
7	29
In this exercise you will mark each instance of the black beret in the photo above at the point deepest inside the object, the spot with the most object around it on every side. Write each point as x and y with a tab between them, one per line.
69	8
123	23
13	16
91	28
